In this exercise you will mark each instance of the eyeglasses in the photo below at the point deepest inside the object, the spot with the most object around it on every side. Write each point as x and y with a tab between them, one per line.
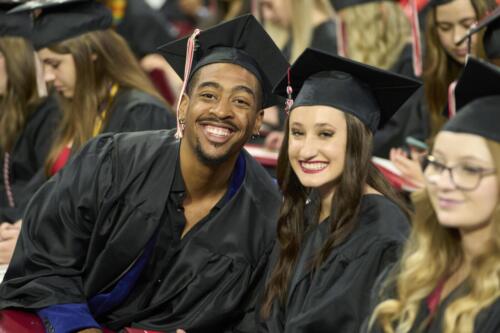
464	177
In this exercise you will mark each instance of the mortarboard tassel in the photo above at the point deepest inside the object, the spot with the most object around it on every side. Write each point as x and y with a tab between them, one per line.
452	105
341	37
415	33
40	81
289	92
187	70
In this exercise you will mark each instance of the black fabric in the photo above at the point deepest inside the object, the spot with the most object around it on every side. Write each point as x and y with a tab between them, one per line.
61	21
477	96
371	94
480	117
333	298
412	119
487	320
435	3
491	40
88	224
324	38
341	4
242	41
131	111
144	29
27	158
478	79
14	25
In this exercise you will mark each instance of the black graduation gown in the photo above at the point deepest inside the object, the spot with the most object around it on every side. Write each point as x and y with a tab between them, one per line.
132	110
334	298
411	119
28	157
91	221
487	321
145	29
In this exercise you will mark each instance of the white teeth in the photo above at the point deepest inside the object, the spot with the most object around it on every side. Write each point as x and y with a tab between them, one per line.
314	166
218	131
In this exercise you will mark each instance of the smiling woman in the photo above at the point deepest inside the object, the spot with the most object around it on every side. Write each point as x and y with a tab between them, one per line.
340	223
447	280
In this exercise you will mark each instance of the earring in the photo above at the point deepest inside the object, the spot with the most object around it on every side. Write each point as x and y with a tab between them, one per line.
182	122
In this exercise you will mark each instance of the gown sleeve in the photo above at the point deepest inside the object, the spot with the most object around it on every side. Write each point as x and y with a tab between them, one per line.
341	303
50	256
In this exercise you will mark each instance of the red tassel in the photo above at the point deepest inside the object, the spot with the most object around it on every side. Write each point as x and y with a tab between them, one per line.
187	70
341	37
415	32
452	105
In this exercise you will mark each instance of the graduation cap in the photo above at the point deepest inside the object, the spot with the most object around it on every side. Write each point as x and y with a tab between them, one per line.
64	19
241	41
491	39
478	98
371	94
16	25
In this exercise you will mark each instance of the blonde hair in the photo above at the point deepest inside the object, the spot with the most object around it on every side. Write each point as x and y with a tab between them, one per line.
376	32
431	252
302	25
21	97
101	59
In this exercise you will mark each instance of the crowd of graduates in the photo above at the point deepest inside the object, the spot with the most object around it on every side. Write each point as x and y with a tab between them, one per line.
128	202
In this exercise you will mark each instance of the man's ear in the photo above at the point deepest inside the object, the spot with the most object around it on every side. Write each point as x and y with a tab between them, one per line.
258	122
183	107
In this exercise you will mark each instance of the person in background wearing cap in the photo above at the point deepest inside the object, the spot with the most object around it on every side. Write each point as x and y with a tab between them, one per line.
448	278
308	23
100	85
378	33
491	40
143	229
446	23
27	121
340	222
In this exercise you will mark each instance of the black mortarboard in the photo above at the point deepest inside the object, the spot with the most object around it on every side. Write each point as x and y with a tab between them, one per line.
341	4
19	25
477	97
64	19
371	94
241	41
434	3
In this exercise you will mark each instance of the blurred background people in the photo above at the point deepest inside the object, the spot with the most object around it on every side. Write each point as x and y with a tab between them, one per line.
27	121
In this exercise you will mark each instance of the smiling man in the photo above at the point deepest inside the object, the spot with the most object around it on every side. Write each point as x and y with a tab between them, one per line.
150	231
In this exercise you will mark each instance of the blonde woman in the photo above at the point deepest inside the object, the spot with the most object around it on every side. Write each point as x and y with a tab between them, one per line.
376	33
310	23
448	278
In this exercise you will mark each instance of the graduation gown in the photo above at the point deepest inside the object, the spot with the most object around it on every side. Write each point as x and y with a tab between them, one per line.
90	222
132	110
28	157
487	321
334	298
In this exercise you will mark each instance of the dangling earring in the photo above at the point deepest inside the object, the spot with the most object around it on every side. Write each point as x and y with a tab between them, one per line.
255	136
182	122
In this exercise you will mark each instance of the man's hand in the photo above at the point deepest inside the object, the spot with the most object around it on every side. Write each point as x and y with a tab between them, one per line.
9	233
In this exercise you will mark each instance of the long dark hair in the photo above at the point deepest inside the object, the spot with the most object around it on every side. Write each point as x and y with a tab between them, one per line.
358	172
